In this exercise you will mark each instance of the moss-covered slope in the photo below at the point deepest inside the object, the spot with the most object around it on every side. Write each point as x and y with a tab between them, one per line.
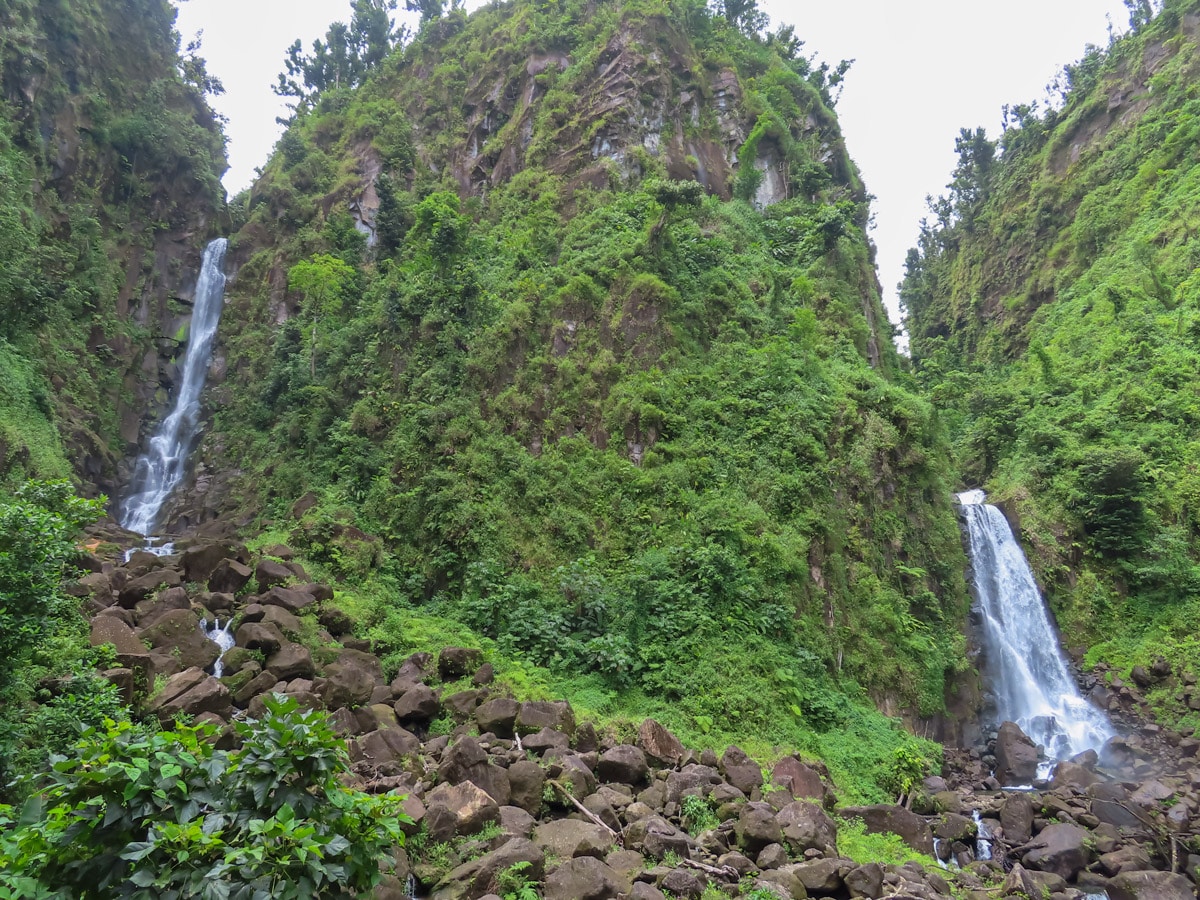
1054	313
577	392
109	168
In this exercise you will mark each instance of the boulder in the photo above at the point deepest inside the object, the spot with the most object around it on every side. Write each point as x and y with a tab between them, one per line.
544	740
539	714
290	661
192	692
178	634
683	883
953	827
1016	756
691	779
566	838
268	573
287	623
462	758
821	876
458	662
1130	858
885	819
1061	849
865	881
1150	886
292	600
584	878
656	837
335	621
385	749
472	880
526	782
658	743
497	716
461	705
473	808
802	781
257	636
805	826
347	683
1016	817
135	591
229	577
740	770
624	764
418	704
111	630
201	561
757	827
152	609
259	684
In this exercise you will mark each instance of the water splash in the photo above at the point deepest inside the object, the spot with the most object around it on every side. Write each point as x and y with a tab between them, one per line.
983	843
222	636
159	470
1023	661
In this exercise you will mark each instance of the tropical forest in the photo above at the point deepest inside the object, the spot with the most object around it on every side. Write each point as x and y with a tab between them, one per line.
518	492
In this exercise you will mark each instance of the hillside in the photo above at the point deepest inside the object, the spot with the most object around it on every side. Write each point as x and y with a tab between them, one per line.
604	382
1053	309
110	161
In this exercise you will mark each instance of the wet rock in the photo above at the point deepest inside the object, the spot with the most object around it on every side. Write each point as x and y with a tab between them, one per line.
1061	849
1016	755
178	634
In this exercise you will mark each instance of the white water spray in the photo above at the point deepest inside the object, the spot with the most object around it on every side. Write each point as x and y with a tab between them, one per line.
222	636
159	470
1023	660
983	842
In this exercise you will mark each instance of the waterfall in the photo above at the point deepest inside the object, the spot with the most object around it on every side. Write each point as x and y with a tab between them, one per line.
222	636
159	470
1023	662
983	837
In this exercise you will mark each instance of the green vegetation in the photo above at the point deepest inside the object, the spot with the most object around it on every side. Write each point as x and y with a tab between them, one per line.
854	842
1054	313
169	815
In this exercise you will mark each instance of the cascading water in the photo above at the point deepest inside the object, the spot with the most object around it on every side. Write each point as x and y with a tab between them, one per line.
222	636
1023	661
159	470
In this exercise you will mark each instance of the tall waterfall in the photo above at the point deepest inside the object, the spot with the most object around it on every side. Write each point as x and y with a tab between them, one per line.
1023	660
159	470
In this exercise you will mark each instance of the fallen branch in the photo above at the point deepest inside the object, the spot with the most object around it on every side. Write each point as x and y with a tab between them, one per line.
565	792
719	871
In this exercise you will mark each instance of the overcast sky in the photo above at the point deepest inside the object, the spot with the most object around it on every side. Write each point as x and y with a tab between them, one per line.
923	69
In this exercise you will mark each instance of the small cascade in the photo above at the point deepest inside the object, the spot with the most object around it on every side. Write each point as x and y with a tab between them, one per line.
152	545
160	469
1023	662
983	843
222	636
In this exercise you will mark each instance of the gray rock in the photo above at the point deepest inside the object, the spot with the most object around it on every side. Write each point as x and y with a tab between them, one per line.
471	805
865	881
290	661
1016	818
458	662
566	838
473	879
229	577
418	704
1016	755
497	716
757	827
659	743
177	633
526	782
583	878
1150	886
806	826
268	572
537	715
885	818
625	764
1061	849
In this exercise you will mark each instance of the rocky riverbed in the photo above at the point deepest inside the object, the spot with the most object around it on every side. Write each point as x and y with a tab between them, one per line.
494	782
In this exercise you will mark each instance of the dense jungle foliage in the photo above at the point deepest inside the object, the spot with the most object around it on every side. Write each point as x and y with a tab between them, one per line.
109	155
623	428
1054	310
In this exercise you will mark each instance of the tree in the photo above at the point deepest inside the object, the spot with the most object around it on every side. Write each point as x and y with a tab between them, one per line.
321	281
430	10
170	815
744	15
346	55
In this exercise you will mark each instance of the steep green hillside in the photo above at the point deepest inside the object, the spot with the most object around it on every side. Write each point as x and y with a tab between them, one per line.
581	394
1054	309
109	168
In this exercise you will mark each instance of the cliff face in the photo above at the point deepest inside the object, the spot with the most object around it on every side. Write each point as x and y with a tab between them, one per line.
1054	313
115	159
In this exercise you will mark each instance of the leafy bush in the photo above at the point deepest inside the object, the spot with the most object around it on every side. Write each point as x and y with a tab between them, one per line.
169	815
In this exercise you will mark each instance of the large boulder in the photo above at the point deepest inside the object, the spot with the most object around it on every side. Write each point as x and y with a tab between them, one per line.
269	573
291	661
539	714
757	828
473	880
624	764
806	826
888	819
566	838
111	630
497	716
418	704
473	808
801	780
258	636
526	783
192	692
229	577
1150	886
177	633
348	682
658	743
199	562
458	662
293	601
1016	818
135	591
1016	756
1061	849
584	878
740	770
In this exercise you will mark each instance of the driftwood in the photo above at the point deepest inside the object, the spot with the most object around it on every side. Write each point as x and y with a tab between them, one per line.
719	871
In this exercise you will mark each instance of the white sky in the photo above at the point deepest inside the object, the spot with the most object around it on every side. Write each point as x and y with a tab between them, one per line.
923	69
